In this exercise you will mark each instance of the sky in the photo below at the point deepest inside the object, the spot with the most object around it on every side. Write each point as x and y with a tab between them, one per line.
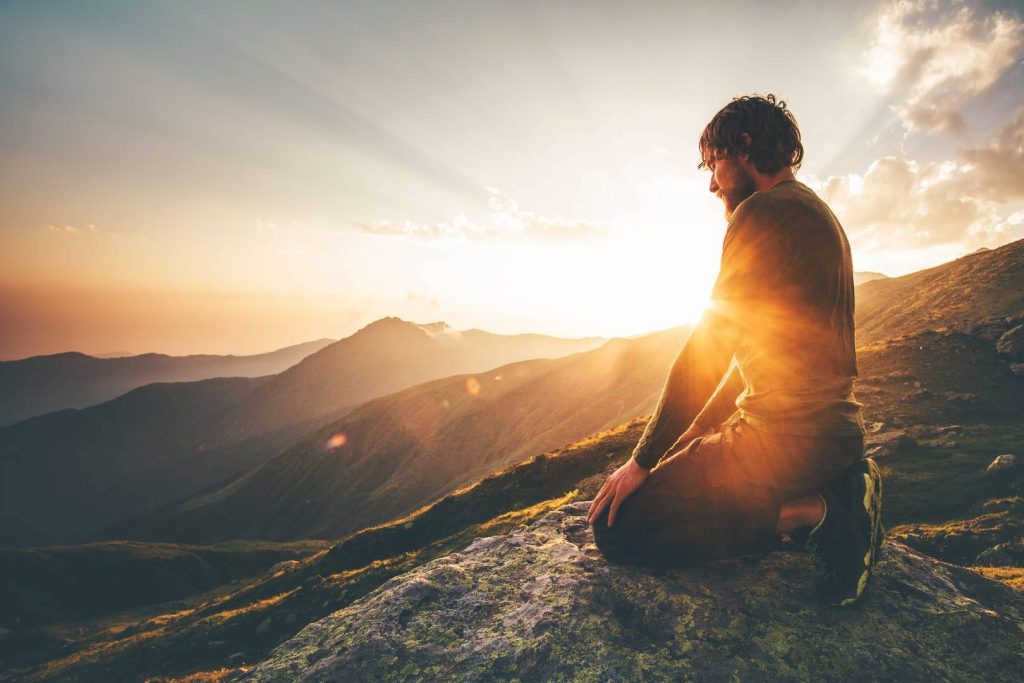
234	177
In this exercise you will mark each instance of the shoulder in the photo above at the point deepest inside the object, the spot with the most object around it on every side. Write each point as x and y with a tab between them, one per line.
757	222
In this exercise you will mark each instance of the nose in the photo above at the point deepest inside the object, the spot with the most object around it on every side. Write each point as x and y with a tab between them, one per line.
714	186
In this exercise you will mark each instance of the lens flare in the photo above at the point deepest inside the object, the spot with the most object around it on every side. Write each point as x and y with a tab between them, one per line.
472	386
337	440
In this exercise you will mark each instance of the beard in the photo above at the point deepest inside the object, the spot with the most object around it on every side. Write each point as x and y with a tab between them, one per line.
744	188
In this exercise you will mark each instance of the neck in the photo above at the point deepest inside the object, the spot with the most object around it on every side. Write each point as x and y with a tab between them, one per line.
764	182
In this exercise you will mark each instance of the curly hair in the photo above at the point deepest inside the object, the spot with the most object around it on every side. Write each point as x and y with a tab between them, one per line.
774	134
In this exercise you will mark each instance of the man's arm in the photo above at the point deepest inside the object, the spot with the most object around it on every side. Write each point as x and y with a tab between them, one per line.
722	403
691	381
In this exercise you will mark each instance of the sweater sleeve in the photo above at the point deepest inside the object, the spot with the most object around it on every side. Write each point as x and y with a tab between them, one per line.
691	381
722	403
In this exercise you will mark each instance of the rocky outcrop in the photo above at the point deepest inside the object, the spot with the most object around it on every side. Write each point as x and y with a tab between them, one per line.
541	603
1011	343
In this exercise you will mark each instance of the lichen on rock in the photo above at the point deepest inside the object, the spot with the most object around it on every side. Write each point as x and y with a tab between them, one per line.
542	603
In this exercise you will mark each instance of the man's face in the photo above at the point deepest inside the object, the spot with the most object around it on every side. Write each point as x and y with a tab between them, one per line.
730	181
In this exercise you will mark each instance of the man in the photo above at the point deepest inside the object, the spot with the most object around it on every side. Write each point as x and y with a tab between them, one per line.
758	420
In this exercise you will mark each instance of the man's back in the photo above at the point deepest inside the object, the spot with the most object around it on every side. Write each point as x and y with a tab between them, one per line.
794	311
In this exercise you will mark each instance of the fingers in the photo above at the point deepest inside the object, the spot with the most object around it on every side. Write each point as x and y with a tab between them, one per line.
595	507
615	507
600	501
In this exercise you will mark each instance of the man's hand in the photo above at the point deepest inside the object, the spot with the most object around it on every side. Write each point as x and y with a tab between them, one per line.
621	484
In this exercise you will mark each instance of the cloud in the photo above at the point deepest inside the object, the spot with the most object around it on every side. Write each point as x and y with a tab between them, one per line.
902	203
507	221
938	54
89	229
998	168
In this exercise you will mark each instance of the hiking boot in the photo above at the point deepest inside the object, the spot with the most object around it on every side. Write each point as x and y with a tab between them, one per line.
848	539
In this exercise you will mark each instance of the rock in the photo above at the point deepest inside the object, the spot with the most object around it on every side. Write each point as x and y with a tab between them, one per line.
888	443
1009	554
876	427
1011	343
961	541
1017	369
542	603
899	376
916	394
285	566
1001	462
961	397
990	328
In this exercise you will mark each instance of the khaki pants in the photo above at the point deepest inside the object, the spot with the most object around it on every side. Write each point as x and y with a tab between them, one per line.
720	495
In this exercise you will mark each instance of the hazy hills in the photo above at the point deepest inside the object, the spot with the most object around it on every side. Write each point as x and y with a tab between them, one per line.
410	448
42	384
72	472
866	276
980	285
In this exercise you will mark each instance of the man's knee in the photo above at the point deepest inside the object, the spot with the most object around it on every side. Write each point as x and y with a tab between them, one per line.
611	541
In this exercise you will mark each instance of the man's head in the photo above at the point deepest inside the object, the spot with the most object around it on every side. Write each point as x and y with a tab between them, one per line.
750	144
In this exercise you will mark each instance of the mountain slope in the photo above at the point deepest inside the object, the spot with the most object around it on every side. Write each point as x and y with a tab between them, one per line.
43	384
73	472
980	285
67	472
407	449
385	356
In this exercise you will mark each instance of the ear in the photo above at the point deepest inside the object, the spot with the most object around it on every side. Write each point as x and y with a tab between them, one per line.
748	142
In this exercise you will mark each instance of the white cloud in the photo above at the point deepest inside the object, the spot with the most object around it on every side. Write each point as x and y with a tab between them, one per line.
506	221
938	54
902	203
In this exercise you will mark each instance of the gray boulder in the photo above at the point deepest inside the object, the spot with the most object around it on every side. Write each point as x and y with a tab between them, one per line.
542	603
1011	343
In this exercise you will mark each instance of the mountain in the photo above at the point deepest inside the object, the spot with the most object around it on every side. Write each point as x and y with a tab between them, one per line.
542	603
981	285
402	451
67	474
866	276
387	355
43	384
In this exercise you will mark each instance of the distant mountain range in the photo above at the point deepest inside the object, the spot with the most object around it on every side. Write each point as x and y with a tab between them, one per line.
405	450
42	384
67	474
